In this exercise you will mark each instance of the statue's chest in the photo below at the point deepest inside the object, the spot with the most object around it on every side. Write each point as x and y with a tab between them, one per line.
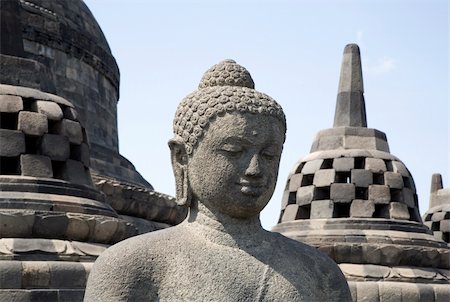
225	274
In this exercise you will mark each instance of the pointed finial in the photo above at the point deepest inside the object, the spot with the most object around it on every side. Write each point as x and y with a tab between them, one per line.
436	183
350	105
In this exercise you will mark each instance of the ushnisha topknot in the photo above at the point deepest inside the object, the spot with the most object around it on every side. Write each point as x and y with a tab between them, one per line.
225	87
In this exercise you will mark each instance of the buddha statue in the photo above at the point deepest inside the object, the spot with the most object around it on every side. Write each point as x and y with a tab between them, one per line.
225	153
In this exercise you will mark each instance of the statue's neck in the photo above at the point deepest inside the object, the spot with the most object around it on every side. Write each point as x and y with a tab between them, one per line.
223	229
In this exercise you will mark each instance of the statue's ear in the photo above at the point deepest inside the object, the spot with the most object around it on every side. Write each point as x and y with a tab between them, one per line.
179	164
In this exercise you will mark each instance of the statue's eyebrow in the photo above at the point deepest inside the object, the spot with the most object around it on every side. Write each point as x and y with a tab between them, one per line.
237	140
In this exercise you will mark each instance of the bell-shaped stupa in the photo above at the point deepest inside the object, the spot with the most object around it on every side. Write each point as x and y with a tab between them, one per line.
351	198
437	218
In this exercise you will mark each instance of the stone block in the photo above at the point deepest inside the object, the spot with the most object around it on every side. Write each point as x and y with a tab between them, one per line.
77	228
32	123
390	292
11	276
399	167
70	129
55	146
343	164
52	110
74	171
379	194
396	210
325	177
10	103
71	114
445	226
358	142
393	179
67	274
311	167
438	216
50	225
295	182
36	165
375	165
81	153
342	192
362	208
361	177
36	274
12	142
15	295
290	213
322	209
305	195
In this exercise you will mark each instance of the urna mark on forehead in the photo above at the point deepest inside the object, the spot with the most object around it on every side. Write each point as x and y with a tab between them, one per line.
226	87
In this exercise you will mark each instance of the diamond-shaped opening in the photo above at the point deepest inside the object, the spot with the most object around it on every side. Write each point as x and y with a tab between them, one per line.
27	102
304	212
53	126
281	215
407	182
361	193
75	152
378	178
292	198
307	180
327	164
322	193
9	165
8	120
446	237
343	177
414	214
381	211
435	226
341	210
360	162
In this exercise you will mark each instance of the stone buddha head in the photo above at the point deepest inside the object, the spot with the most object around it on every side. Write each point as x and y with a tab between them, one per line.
227	144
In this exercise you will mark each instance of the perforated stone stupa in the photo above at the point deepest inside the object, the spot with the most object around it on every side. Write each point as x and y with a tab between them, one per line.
437	218
357	202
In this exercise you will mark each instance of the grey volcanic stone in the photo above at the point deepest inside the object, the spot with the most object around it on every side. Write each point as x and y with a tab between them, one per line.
71	129
322	209
323	178
393	180
342	192
343	164
361	177
226	175
12	142
32	123
305	195
50	109
55	146
375	165
36	165
362	208
379	193
10	103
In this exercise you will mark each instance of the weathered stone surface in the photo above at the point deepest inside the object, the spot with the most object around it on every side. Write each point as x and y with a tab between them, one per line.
71	129
342	192
50	109
81	153
362	208
235	249
379	193
311	167
397	210
10	103
32	123
361	177
290	213
324	177
36	165
36	274
74	171
393	180
322	209
305	195
11	276
55	146
295	182
343	164
375	165
12	142
71	114
399	167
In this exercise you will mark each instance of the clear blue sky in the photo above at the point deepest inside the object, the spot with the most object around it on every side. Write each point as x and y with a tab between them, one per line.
293	49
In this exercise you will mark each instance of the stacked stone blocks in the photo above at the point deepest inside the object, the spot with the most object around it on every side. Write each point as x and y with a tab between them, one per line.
350	186
42	138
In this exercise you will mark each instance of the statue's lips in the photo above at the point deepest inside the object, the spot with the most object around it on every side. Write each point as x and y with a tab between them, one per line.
252	189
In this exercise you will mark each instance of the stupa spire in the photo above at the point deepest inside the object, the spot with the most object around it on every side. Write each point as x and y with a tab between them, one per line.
350	105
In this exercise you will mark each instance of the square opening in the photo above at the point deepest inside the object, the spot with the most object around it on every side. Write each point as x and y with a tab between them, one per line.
9	165
304	212
322	193
414	214
389	166
361	193
8	120
396	195
407	182
341	210
360	162
343	177
75	152
292	198
32	144
446	236
299	168
327	164
53	126
381	211
307	180
378	178
58	169
27	102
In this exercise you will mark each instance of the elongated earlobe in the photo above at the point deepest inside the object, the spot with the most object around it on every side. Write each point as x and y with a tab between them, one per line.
180	171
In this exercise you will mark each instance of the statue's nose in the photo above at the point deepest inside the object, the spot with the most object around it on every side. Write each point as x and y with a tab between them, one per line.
254	168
